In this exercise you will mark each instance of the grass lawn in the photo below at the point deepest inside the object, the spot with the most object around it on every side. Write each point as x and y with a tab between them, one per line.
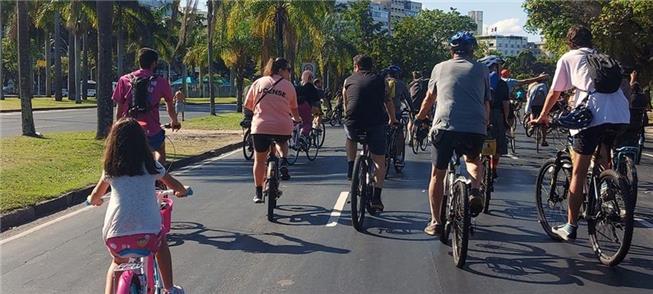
44	102
218	100
222	121
33	170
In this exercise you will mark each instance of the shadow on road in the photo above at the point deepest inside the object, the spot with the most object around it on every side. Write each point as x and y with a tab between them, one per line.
273	243
398	225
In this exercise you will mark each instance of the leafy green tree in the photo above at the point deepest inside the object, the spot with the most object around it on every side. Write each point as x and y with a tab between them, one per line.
238	52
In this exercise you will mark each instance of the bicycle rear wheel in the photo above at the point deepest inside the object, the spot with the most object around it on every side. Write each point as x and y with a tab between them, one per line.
401	160
461	222
272	188
551	192
322	135
611	221
628	170
248	146
487	184
415	143
312	146
358	194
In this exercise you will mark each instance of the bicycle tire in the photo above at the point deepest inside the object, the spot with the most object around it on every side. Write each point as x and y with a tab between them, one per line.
445	225
528	129
559	201
628	170
640	145
128	283
402	159
415	145
614	183
487	183
248	146
357	194
292	159
272	188
461	223
312	147
322	135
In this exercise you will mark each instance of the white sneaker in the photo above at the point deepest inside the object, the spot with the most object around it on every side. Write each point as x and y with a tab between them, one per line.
175	290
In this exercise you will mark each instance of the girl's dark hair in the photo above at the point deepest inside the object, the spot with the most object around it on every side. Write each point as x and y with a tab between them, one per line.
364	62
127	151
147	56
579	36
274	66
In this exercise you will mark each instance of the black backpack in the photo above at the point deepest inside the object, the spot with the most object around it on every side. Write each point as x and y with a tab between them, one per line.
141	100
605	72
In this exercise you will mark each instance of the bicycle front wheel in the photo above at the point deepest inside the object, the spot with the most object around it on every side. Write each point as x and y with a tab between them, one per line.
461	223
292	158
611	221
487	184
322	135
358	193
552	190
313	146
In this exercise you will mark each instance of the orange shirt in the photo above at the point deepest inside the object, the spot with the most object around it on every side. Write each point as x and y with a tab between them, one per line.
272	113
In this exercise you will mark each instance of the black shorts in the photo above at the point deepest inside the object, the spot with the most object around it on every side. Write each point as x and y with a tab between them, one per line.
262	142
446	142
375	137
586	141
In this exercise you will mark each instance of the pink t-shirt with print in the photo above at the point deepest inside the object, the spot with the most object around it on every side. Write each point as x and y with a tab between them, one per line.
272	113
122	95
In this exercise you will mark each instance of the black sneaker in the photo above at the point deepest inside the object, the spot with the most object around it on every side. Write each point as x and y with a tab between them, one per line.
545	144
377	205
475	202
284	172
566	232
258	199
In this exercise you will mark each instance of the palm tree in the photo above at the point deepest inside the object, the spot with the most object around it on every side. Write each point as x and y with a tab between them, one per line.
210	17
238	52
58	74
24	68
2	35
284	20
104	69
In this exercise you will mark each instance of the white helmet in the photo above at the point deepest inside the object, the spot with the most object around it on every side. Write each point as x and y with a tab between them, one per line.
491	60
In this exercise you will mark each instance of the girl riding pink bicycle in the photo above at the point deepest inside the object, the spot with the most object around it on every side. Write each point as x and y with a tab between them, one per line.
133	221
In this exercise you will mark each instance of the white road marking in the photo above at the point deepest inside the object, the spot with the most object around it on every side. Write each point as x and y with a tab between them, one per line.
646	154
337	209
43	225
511	156
644	223
69	215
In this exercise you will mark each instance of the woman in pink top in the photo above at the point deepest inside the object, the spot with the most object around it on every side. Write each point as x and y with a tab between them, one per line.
272	99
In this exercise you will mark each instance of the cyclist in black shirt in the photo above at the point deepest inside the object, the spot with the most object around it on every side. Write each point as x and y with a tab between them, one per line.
366	102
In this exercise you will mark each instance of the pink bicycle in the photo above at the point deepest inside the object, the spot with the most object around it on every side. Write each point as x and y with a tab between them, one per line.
141	274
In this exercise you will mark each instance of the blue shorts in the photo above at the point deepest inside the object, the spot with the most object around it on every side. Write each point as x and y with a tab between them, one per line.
156	141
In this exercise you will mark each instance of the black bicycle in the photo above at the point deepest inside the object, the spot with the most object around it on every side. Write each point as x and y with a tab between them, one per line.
608	206
395	149
419	136
454	212
271	191
248	144
362	184
318	135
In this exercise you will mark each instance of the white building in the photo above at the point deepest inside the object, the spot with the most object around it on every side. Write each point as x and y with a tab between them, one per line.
380	15
507	45
477	17
385	11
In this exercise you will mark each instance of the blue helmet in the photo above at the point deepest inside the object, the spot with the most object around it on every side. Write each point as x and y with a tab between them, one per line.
491	60
393	70
462	42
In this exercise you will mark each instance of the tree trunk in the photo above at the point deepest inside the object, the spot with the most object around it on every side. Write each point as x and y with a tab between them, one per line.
104	69
279	19
47	64
84	70
71	66
24	65
77	74
210	19
120	46
239	88
58	75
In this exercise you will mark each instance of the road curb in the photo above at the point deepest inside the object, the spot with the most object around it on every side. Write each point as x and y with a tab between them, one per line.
26	215
51	108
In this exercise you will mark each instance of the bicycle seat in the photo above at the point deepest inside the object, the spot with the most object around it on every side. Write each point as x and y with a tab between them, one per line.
361	137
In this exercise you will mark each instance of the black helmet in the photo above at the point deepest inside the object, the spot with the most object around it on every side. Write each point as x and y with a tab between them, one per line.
579	118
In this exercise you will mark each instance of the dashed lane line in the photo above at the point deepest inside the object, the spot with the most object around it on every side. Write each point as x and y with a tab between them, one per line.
337	209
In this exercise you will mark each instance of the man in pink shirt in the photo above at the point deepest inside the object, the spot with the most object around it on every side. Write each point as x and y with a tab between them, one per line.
158	88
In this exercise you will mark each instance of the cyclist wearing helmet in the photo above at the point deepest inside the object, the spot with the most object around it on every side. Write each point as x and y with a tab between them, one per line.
366	101
500	108
609	116
461	89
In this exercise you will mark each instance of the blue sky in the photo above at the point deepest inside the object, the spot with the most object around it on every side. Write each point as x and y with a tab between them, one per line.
507	15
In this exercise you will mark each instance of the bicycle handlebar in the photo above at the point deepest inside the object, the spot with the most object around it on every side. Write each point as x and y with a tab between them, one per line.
160	194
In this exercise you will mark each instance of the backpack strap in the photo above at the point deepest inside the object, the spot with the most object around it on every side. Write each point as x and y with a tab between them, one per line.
266	92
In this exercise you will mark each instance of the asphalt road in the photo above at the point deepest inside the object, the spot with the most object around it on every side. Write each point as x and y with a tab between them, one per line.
222	242
82	119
